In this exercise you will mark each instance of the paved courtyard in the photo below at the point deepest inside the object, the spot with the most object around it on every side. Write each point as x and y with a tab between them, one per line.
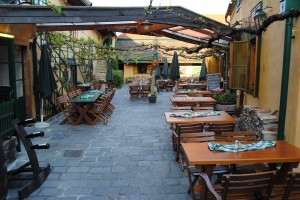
130	158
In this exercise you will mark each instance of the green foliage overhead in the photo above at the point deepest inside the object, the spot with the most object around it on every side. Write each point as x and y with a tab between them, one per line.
55	8
85	50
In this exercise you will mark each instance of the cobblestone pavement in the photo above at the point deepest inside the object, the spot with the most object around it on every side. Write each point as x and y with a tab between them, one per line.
130	158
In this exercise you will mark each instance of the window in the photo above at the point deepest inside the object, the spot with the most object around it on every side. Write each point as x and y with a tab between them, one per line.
41	2
252	13
243	66
238	65
238	5
141	68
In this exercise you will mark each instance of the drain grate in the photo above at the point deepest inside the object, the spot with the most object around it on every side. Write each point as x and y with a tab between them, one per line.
73	153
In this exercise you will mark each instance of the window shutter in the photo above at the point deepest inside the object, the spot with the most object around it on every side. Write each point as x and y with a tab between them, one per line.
148	69
238	65
135	69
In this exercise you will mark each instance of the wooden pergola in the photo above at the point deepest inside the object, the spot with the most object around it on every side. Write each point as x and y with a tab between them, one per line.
172	22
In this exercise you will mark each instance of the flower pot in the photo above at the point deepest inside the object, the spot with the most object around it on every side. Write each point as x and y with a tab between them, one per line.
152	99
226	107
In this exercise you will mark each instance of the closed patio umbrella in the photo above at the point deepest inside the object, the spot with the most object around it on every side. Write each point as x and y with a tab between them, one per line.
174	73
46	83
165	71
202	76
157	70
109	75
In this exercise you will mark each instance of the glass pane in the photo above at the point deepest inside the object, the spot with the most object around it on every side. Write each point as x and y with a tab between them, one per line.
4	74
20	92
41	2
4	53
18	54
19	72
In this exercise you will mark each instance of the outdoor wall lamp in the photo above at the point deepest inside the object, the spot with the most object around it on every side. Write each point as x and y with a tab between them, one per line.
146	25
6	35
259	18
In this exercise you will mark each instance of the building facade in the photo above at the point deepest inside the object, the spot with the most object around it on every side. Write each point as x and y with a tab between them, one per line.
270	71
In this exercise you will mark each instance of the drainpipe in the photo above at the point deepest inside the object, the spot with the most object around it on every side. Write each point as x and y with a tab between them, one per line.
285	77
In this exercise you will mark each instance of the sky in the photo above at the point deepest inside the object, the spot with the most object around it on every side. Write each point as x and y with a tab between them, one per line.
198	6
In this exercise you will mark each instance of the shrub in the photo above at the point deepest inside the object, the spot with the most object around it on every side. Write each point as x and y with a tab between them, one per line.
118	78
225	97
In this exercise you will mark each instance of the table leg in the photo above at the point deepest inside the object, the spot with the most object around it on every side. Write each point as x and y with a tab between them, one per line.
80	110
83	113
201	187
283	171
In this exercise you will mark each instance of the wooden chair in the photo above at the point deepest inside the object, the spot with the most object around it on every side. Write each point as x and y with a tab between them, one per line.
146	89
72	87
78	92
170	85
219	128
72	94
182	131
208	104
134	92
241	186
97	111
193	172
199	108
202	87
208	95
195	138
181	108
67	109
242	136
161	85
111	95
194	94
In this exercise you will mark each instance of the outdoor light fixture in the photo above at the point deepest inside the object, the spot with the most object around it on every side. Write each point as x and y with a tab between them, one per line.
6	35
146	25
259	18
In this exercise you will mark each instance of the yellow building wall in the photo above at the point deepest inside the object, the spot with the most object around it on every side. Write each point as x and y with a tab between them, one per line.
128	71
271	63
292	127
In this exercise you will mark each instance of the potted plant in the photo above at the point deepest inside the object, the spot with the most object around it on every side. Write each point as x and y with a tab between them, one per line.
152	97
225	101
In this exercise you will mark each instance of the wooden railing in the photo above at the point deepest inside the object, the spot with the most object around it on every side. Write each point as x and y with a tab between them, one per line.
6	117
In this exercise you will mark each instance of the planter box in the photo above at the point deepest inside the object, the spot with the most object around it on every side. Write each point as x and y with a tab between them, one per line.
225	107
152	99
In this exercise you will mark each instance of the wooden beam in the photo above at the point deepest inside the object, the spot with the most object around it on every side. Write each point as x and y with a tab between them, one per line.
82	14
83	26
152	28
211	33
186	38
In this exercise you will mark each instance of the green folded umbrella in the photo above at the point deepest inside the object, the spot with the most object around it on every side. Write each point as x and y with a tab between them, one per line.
174	74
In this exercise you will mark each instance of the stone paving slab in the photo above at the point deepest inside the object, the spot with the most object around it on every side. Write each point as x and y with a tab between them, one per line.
130	158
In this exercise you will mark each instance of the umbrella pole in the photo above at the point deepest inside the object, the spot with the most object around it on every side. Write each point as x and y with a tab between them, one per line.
42	111
42	124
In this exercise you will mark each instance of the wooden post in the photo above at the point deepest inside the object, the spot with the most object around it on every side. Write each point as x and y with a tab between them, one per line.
153	65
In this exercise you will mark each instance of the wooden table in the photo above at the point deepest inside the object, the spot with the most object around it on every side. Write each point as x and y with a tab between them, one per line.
193	85
84	87
83	104
199	154
223	117
195	100
188	92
